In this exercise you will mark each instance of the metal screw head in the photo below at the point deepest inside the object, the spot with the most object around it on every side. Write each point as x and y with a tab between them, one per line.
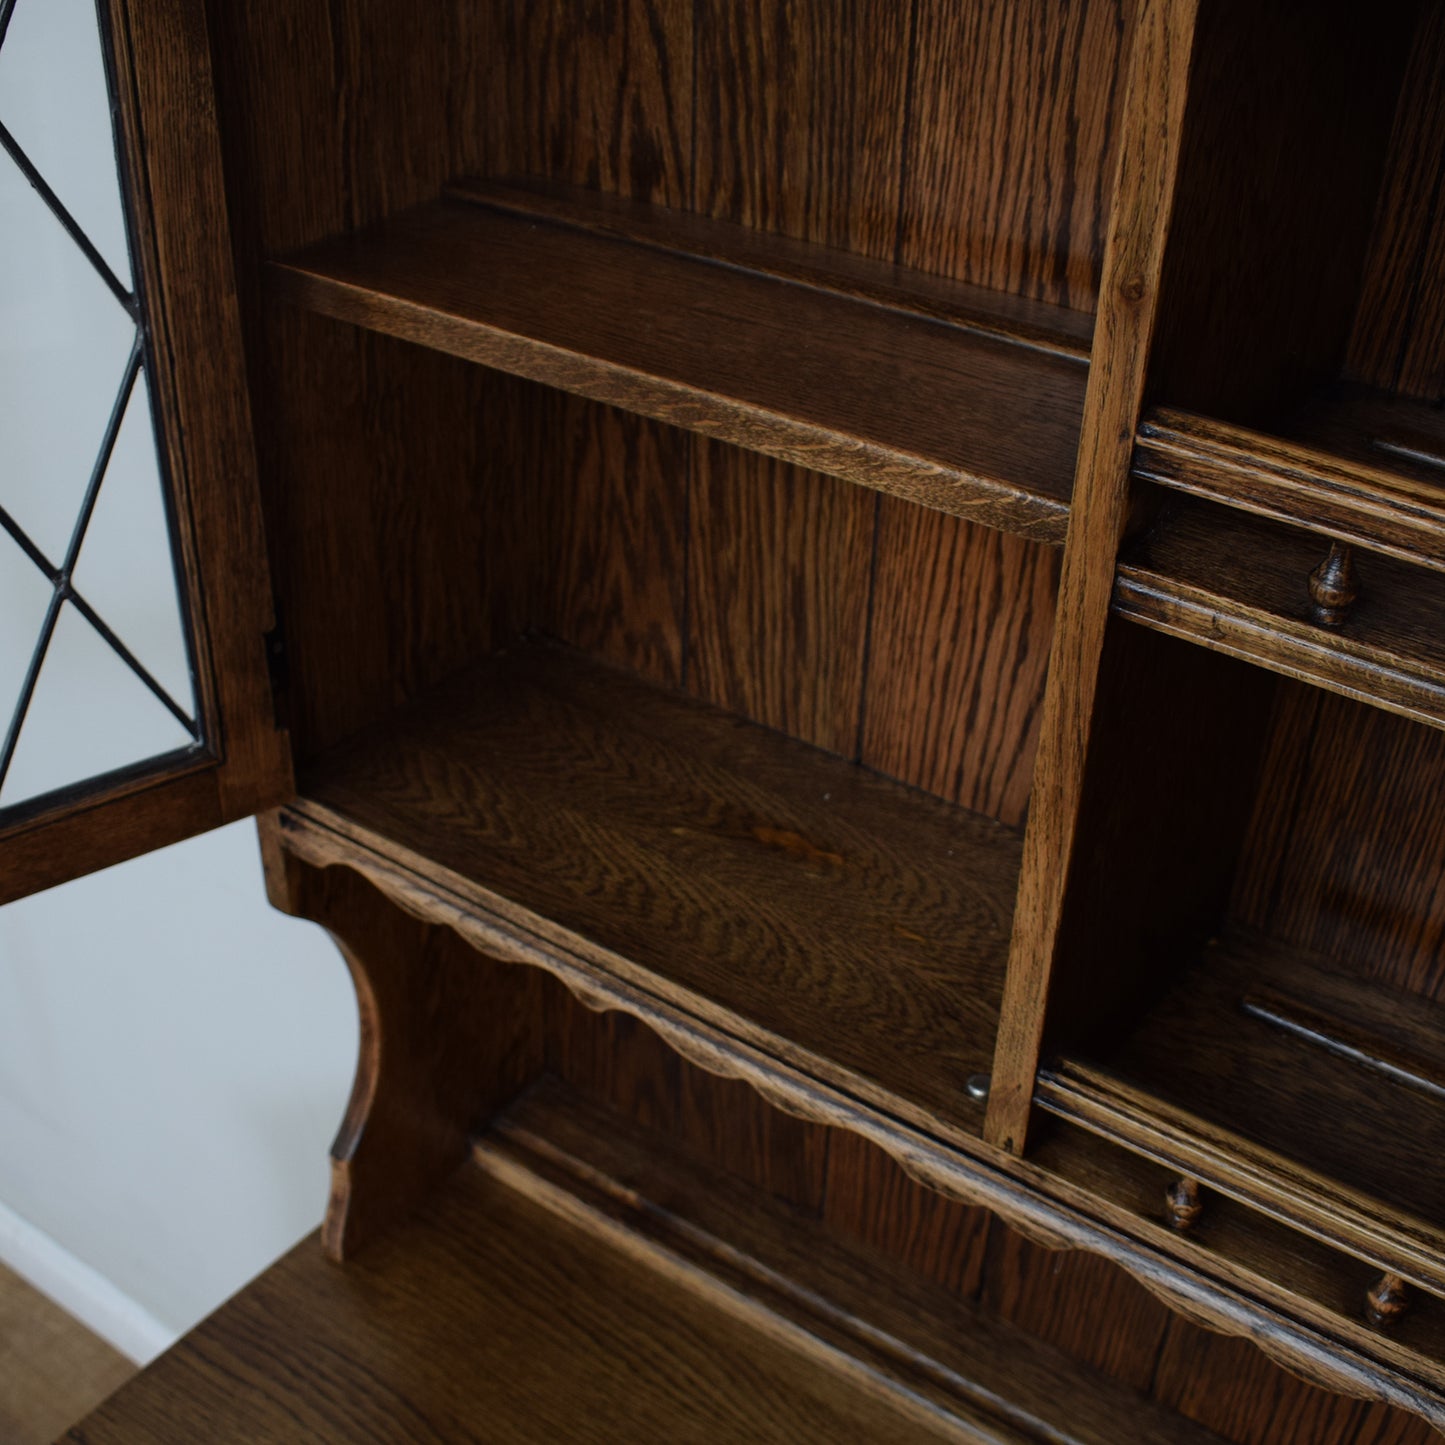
977	1086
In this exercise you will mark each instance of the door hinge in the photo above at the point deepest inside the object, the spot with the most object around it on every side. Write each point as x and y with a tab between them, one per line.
278	665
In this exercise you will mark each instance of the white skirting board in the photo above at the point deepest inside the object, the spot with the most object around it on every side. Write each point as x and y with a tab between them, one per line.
81	1291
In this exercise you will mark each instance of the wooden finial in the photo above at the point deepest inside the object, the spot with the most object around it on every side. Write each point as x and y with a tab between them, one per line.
1183	1204
1334	588
1387	1301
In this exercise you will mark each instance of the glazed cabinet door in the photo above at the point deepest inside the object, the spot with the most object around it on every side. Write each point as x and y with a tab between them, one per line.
138	654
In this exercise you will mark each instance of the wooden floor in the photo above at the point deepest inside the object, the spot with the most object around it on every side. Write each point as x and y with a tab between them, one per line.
53	1371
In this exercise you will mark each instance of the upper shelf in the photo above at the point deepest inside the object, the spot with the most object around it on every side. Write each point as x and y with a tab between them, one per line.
769	900
1356	465
948	395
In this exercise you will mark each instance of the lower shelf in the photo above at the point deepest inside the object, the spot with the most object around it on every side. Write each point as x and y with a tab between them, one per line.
579	1281
1308	1094
1238	584
760	891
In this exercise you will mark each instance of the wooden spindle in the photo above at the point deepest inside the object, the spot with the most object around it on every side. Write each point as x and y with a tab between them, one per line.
1387	1300
1334	587
1183	1204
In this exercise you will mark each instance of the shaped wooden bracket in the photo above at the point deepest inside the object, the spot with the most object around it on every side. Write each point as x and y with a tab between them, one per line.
448	1036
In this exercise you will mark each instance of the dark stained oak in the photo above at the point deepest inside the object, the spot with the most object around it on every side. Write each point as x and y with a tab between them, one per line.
959	648
1138	228
726	867
583	1280
1024	1282
1302	1090
872	1200
1240	585
1354	466
1285	139
618	1060
815	378
1400	321
768	244
730	258
999	1365
1013	136
1342	856
1222	1381
619	591
1332	1346
779	570
493	1318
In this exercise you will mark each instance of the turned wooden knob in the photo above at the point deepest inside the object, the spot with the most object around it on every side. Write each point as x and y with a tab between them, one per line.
1183	1204
1387	1301
1334	587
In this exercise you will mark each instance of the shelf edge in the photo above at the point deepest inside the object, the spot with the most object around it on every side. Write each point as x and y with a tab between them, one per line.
1296	650
1253	1175
976	1175
974	497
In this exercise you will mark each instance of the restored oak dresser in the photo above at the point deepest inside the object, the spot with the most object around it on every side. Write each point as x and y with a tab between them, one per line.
840	605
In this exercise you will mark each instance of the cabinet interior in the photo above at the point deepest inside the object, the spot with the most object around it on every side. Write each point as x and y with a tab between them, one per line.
1283	986
1263	890
668	416
653	228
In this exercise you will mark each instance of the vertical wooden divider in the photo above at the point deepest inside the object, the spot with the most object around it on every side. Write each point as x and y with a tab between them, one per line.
1148	159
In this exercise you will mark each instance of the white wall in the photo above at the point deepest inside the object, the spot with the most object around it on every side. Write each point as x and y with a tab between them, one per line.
174	1057
174	1060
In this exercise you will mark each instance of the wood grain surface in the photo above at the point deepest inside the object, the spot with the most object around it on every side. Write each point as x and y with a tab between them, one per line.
961	623
975	144
1337	1139
843	266
780	564
495	1319
809	376
586	1280
1152	119
1342	857
1328	471
617	1060
1400	323
844	913
1285	144
1239	584
1042	1389
1013	139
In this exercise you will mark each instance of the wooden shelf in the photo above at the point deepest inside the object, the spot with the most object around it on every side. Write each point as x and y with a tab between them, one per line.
917	386
581	1280
1238	584
1353	464
1310	1094
778	904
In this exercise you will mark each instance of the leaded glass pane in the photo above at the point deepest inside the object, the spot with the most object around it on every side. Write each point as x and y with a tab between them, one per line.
96	667
65	128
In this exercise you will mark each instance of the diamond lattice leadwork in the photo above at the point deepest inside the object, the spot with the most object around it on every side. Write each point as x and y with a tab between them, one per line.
99	677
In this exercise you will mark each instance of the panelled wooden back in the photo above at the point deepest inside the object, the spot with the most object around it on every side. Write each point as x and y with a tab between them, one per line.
867	626
1398	341
970	140
1346	851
